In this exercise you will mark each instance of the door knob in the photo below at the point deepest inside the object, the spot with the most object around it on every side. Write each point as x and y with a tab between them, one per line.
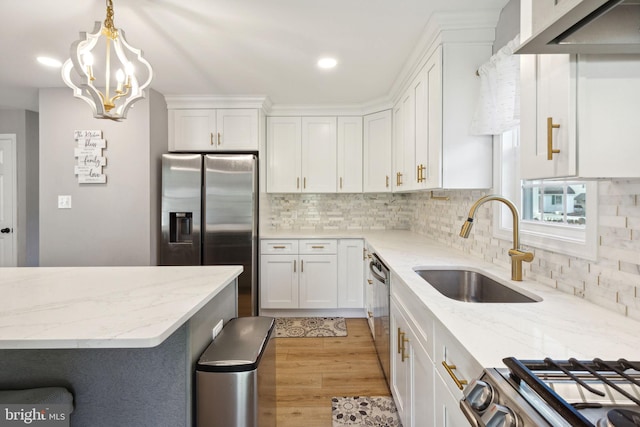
5	230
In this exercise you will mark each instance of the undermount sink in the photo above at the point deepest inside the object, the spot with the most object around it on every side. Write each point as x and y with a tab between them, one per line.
471	286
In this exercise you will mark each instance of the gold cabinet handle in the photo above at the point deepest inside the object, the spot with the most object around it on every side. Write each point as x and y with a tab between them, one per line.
279	247
400	336
387	181
421	168
317	247
304	182
550	127
404	341
419	179
450	368
301	266
364	254
219	138
211	138
294	265
298	182
369	281
341	183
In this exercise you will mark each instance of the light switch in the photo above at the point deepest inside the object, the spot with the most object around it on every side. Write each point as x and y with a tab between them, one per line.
64	202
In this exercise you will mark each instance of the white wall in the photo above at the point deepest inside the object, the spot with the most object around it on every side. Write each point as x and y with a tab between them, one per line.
109	224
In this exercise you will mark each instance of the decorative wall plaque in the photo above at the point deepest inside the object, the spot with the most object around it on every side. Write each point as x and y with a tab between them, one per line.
89	159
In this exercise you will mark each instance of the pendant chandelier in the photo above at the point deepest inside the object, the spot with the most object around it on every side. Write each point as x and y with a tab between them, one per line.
107	75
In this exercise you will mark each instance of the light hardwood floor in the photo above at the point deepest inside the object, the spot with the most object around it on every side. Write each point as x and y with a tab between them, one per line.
309	371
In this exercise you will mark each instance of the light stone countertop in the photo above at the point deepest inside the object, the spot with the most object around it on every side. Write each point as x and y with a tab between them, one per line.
102	307
560	326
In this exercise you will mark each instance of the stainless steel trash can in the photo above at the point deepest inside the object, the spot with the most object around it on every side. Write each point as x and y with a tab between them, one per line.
235	376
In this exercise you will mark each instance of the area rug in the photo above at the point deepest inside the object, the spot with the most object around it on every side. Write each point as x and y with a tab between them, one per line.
299	327
374	411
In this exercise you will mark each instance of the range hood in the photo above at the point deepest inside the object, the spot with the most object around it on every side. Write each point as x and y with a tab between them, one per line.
584	26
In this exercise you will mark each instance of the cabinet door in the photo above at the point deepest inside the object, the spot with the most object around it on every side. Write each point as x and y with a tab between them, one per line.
548	91
398	147
430	116
377	152
284	135
350	273
422	394
192	130
401	370
319	154
318	281
237	129
349	155
447	407
279	281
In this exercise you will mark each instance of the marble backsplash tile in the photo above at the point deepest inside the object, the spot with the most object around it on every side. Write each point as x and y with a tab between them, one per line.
318	212
613	281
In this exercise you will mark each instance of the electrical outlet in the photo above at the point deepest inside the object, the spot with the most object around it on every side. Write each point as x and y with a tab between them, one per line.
64	202
216	329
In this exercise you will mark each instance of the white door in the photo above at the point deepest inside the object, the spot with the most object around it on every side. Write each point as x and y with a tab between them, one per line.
377	152
284	135
237	129
318	281
319	154
192	130
279	281
350	273
349	154
8	206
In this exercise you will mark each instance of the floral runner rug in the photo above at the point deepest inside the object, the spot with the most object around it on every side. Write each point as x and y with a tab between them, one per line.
364	411
299	327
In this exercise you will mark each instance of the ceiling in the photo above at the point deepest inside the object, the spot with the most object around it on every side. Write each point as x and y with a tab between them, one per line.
229	47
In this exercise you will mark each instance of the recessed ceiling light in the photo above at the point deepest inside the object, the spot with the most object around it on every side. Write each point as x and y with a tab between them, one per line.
327	62
49	62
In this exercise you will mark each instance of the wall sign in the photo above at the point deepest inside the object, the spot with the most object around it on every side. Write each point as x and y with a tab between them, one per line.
89	159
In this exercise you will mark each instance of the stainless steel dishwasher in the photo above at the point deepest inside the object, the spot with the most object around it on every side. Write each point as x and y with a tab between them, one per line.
381	282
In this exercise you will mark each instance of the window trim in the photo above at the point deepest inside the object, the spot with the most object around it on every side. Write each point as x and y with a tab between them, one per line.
581	243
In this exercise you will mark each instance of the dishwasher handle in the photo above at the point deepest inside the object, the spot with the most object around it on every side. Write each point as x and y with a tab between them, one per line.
374	272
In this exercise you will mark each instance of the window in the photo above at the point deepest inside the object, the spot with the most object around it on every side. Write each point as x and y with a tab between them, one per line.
556	215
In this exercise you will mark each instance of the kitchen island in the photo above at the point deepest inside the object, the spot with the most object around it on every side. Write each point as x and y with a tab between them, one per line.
123	340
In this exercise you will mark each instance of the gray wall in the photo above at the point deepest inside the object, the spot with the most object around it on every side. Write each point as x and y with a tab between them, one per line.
108	224
24	124
508	25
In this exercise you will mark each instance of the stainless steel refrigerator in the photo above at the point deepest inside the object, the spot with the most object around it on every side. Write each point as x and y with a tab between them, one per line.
210	216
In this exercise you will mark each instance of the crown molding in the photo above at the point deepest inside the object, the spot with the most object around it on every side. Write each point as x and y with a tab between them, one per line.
331	110
177	102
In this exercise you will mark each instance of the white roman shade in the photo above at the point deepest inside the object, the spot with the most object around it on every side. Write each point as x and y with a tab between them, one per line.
498	107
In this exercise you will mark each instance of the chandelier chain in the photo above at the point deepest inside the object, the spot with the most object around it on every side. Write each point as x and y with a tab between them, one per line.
109	27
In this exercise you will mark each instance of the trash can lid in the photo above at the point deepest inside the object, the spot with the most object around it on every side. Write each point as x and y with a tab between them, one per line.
239	346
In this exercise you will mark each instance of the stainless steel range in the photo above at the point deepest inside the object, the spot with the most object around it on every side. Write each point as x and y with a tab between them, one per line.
545	392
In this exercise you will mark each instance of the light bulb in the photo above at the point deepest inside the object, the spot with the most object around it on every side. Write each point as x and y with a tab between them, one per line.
120	75
87	58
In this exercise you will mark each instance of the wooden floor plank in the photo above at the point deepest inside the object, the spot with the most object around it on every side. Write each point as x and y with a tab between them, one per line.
309	371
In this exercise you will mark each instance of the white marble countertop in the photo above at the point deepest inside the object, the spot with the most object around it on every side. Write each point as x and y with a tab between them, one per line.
102	307
560	326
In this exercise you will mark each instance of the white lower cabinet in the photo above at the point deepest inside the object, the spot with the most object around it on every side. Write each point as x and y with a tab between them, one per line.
311	274
411	372
424	391
369	294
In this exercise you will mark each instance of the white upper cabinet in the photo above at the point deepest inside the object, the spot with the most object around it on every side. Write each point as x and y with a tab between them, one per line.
284	135
377	152
319	154
578	116
349	155
213	129
547	124
433	148
301	154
